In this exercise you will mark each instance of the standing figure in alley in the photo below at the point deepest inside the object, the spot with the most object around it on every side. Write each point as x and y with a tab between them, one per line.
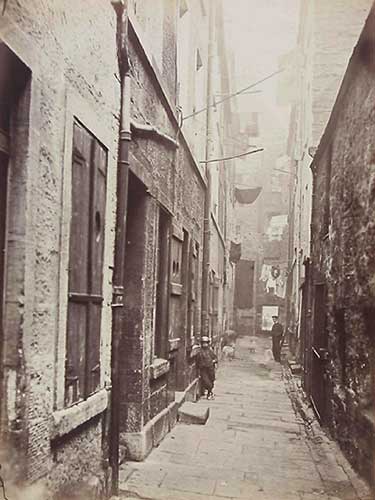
207	362
277	338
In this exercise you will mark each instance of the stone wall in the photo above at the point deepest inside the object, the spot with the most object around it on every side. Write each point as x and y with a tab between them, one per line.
342	251
168	178
60	43
322	64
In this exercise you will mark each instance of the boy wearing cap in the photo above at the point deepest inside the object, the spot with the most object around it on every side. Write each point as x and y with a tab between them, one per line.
277	337
207	362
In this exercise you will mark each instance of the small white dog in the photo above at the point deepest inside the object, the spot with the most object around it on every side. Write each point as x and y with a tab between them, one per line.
228	352
268	356
253	345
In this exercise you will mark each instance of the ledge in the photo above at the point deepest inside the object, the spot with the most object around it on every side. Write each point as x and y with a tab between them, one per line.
146	130
66	420
176	289
158	368
177	231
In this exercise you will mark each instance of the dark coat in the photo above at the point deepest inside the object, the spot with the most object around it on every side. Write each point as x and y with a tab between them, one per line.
277	330
206	358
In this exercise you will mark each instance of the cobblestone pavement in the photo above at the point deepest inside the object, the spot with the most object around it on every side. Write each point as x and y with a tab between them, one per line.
253	445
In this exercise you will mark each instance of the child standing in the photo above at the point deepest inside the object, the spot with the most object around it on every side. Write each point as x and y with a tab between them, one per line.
207	362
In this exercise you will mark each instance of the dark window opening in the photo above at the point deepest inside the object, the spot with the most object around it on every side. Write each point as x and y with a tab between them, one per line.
199	62
161	313
183	7
14	78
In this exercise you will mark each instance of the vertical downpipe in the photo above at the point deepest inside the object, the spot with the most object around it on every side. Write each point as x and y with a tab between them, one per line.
120	240
207	201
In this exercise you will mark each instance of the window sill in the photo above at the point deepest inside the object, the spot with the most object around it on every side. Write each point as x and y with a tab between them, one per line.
159	368
66	420
176	289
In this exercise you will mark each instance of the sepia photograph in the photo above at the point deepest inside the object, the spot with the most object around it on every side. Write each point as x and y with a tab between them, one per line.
187	250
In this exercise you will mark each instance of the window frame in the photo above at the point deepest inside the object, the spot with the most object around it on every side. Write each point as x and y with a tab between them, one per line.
85	286
77	108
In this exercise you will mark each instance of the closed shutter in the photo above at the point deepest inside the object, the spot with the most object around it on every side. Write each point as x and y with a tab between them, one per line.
85	266
96	272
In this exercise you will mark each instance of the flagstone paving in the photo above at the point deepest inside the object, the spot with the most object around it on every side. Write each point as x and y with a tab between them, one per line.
253	446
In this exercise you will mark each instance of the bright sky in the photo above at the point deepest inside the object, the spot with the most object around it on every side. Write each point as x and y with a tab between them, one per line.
258	32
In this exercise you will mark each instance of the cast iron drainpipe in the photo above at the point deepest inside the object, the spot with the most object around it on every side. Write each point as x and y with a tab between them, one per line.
120	7
207	200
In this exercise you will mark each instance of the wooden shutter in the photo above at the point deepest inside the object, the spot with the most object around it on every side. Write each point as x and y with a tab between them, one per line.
96	272
175	288
85	266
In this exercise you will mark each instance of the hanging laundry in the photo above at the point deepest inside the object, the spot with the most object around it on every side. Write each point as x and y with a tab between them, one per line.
247	196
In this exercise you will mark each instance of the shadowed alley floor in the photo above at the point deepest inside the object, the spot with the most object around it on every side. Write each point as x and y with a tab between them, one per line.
252	447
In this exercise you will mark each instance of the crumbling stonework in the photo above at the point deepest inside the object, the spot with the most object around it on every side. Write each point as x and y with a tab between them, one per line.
343	258
322	61
56	374
167	171
48	38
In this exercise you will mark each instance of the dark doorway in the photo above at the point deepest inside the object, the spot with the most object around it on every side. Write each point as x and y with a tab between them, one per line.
319	352
131	343
13	78
162	279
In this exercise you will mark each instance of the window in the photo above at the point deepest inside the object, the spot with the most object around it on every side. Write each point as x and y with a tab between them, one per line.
199	62
86	245
183	8
161	314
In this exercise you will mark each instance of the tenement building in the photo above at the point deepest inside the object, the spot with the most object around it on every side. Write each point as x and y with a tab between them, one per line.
327	33
59	141
341	288
102	219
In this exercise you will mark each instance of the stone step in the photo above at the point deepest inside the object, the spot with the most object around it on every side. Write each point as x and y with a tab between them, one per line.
193	413
294	367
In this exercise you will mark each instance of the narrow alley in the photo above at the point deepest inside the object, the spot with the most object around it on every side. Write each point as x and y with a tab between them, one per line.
253	446
187	186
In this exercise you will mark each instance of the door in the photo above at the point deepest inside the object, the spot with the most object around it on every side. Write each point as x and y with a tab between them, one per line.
319	352
4	155
3	203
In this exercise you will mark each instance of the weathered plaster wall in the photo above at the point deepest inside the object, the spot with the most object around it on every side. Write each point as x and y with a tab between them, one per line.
61	44
168	174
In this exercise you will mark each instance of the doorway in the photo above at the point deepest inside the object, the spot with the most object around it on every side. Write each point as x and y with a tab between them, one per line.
319	352
13	78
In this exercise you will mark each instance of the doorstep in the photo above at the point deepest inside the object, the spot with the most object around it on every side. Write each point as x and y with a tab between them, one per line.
139	444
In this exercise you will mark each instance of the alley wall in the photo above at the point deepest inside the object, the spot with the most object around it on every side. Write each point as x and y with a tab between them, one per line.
343	258
61	88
